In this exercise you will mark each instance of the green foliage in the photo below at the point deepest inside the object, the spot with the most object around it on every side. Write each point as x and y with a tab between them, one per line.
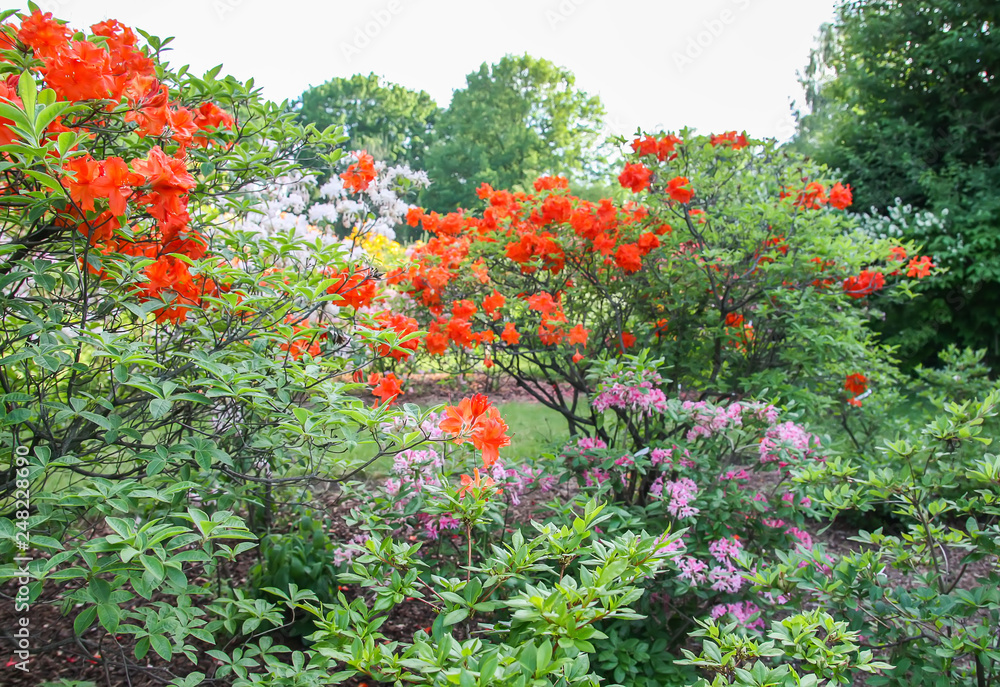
514	120
304	557
806	650
391	122
903	102
164	375
925	593
526	623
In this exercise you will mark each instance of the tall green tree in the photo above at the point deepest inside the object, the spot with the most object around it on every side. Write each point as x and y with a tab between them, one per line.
391	122
514	120
903	98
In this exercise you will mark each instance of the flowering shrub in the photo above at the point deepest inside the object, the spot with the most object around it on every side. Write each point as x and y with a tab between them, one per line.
720	472
168	367
730	259
923	594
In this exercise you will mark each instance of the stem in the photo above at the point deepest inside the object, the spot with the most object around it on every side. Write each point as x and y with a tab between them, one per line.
468	539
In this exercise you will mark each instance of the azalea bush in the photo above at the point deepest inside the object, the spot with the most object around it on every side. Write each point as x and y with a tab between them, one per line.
719	472
729	258
922	593
170	370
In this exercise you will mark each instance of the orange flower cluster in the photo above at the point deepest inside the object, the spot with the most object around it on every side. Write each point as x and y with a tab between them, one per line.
731	139
635	177
476	420
855	384
919	267
304	340
402	325
864	284
662	148
360	174
113	70
530	232
740	331
356	287
814	196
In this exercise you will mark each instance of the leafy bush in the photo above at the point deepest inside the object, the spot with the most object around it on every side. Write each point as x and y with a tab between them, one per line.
924	596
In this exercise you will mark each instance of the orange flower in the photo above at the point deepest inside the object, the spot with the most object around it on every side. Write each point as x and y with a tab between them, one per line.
490	436
841	196
359	174
629	257
479	269
679	189
494	302
812	196
386	388
81	186
577	357
578	335
647	242
730	138
864	284
543	303
114	182
469	483
635	176
461	419
919	267
463	309
856	383
510	334
897	254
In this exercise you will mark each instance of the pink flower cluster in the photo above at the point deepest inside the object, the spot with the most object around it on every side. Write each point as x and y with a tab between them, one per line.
741	613
515	481
590	443
665	457
725	577
711	419
435	525
416	470
787	442
345	553
680	492
632	392
692	569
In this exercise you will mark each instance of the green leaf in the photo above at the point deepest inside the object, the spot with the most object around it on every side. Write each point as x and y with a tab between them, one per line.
110	616
161	646
456	616
159	407
84	620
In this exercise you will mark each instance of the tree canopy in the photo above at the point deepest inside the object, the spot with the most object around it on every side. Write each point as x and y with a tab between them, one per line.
514	120
903	100
391	122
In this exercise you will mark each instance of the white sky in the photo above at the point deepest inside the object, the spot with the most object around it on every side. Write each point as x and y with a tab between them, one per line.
711	64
